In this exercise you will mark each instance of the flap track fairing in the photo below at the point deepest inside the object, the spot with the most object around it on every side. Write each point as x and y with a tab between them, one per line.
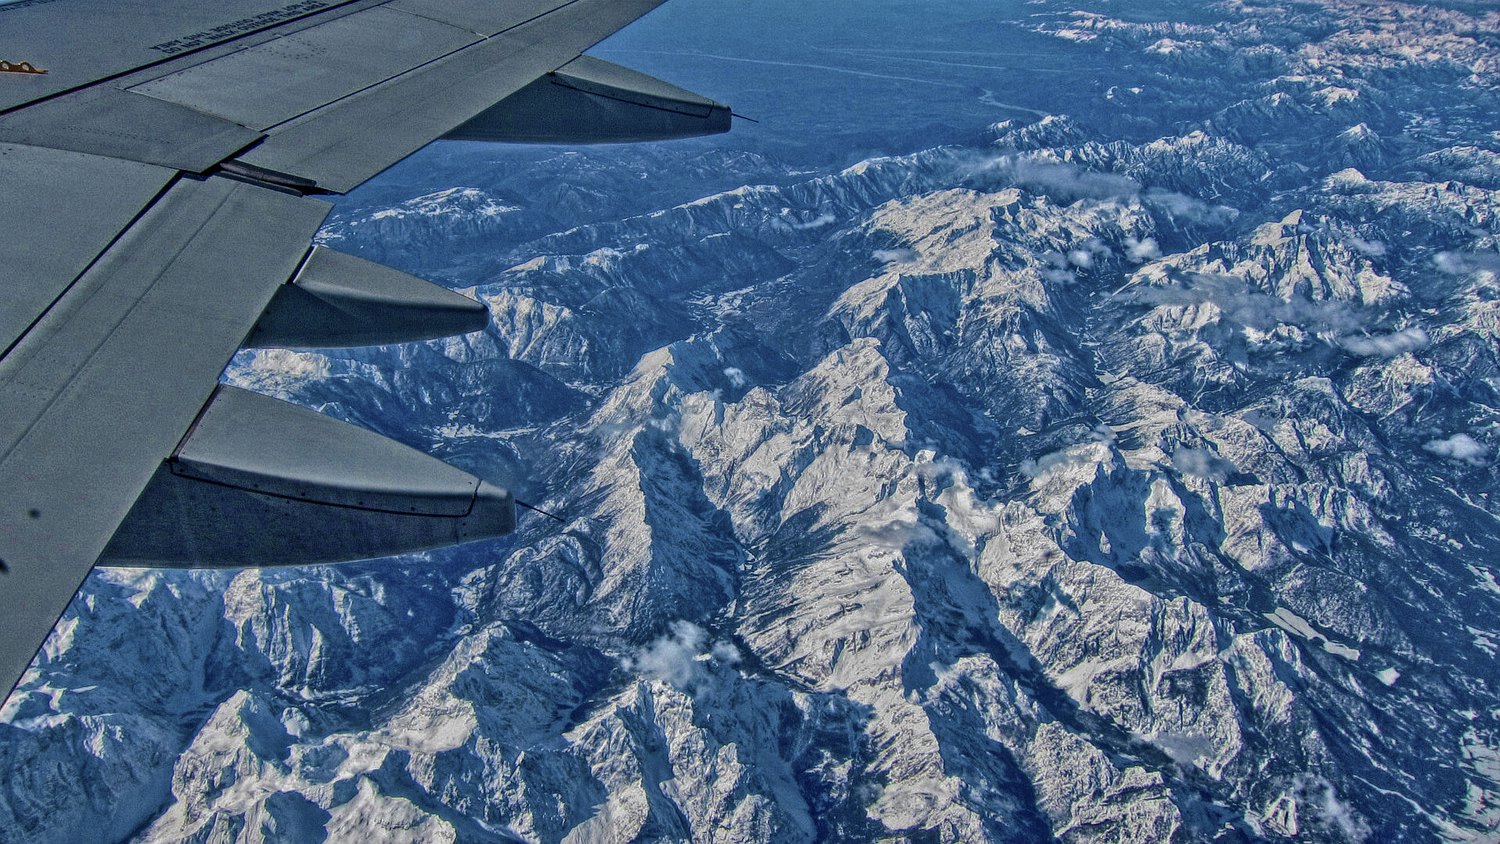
591	101
338	300
261	482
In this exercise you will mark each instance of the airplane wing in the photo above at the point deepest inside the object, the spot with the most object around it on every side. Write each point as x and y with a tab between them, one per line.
160	163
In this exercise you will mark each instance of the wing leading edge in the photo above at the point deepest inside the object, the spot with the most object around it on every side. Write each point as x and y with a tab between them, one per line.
171	172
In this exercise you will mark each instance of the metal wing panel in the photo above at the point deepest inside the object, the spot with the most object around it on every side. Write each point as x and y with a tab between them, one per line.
81	42
347	142
109	122
101	390
274	82
66	208
485	17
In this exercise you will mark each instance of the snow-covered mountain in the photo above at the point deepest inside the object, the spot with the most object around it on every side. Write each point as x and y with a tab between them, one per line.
1121	474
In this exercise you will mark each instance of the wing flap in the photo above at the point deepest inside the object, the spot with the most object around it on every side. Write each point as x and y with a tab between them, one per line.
593	101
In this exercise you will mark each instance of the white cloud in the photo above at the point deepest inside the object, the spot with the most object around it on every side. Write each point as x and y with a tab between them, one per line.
1202	463
816	223
1463	263
1460	447
682	656
1340	323
1386	345
897	535
1317	795
1069	181
1250	307
1368	248
895	256
736	376
1047	462
726	653
1062	181
1061	265
1143	250
674	657
1184	207
1067	456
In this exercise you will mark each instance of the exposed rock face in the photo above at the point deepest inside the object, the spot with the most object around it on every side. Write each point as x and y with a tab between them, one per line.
1064	485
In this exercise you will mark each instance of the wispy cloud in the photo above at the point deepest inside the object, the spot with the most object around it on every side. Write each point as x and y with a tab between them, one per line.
817	222
1084	254
1070	456
1180	206
1202	463
1318	796
1246	306
1463	263
1368	248
726	653
1143	250
1386	345
1069	182
1340	323
1064	181
1053	460
898	534
895	256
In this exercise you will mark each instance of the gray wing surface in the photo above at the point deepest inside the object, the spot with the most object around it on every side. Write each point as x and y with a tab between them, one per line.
160	182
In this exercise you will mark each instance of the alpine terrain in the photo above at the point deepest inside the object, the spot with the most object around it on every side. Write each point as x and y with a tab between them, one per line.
1053	420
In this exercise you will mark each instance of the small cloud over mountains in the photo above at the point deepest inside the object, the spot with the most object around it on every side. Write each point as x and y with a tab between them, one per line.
1461	448
1246	305
681	656
1463	263
1386	345
1341	323
1202	463
1069	182
895	256
1143	250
